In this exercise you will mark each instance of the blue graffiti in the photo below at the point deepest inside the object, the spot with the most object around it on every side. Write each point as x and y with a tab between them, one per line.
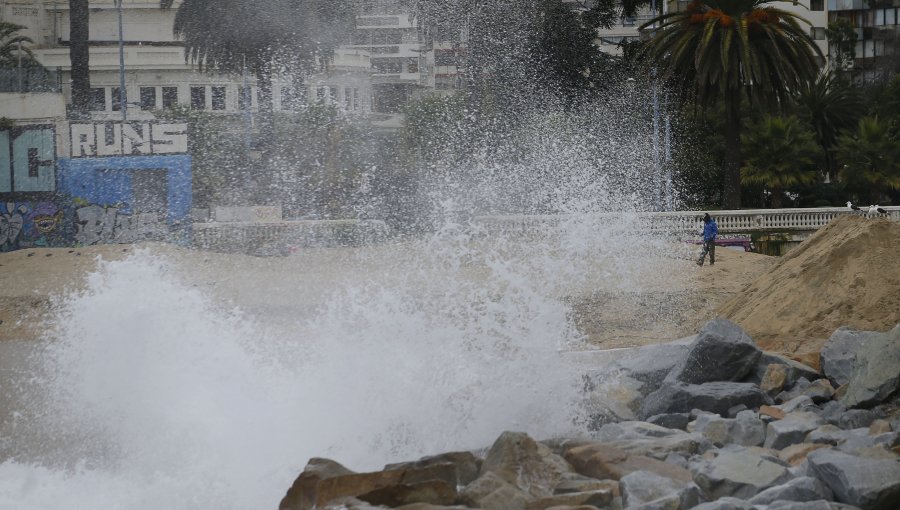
28	159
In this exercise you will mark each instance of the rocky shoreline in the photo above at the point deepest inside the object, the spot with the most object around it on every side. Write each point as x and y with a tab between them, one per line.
712	424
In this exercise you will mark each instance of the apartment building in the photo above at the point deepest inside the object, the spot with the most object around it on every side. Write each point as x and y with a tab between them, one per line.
626	29
877	27
157	75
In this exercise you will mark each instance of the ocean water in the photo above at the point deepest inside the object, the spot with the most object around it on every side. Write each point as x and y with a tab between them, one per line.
179	382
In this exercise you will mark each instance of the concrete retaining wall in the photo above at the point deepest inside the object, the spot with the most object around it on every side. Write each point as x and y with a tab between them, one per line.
285	237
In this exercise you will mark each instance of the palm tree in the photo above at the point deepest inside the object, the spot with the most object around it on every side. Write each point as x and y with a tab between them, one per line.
728	49
233	36
781	154
870	159
79	55
829	105
12	50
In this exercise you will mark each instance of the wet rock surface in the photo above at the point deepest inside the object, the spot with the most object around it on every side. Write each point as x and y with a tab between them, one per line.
709	442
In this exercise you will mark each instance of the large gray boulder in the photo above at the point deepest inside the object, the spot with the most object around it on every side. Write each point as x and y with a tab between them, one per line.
871	484
649	490
643	438
721	352
795	369
820	504
611	397
490	492
838	355
745	430
792	429
671	420
525	464
803	488
715	397
726	504
737	473
819	391
651	364
876	370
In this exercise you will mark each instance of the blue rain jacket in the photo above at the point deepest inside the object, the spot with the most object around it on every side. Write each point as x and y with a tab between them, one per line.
710	230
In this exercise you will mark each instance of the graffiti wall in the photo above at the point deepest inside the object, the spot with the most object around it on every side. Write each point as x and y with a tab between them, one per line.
118	183
27	159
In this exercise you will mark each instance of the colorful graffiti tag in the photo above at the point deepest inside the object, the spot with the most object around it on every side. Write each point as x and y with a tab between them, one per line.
125	182
33	224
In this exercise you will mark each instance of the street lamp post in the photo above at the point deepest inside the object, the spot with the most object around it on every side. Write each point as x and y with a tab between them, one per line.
123	97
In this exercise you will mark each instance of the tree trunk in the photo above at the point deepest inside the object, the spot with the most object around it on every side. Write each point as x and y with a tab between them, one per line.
732	190
777	198
79	54
266	107
265	143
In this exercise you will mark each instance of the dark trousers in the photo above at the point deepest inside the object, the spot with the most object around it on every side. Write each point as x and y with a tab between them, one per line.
708	247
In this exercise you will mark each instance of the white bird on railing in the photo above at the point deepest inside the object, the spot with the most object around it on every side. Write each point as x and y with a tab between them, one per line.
875	210
853	207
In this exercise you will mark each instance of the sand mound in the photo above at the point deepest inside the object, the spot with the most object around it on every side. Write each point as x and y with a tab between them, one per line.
847	274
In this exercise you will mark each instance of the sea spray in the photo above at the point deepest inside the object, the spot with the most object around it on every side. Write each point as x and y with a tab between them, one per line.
151	391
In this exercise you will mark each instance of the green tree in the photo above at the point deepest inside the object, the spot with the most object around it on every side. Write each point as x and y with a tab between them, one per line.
869	159
829	105
728	49
262	37
13	47
781	154
435	129
79	55
513	45
841	38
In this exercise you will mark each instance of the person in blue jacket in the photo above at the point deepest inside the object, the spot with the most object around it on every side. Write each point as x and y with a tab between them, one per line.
710	231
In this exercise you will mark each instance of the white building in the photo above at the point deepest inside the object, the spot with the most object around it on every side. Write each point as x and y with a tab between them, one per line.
626	29
157	76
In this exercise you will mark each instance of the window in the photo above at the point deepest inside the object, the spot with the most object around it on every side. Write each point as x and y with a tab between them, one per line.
387	65
148	98
387	38
379	21
245	99
817	5
413	67
817	33
348	98
356	99
293	97
218	98
444	58
333	94
169	96
116	99
198	98
98	99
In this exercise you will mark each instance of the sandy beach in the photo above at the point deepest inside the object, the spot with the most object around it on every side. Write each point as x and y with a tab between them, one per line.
662	307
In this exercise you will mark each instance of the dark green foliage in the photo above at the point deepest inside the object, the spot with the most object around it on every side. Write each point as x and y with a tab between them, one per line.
513	45
841	37
14	47
869	159
728	49
263	37
234	35
436	127
780	155
829	105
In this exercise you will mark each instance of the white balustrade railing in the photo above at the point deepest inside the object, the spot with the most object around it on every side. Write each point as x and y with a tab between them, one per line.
730	222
